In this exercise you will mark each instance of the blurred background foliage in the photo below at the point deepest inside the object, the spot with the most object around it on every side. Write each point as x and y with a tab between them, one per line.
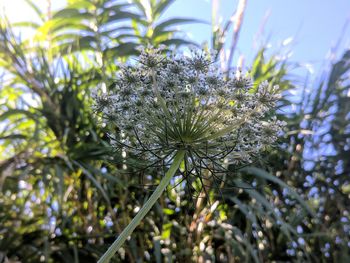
64	193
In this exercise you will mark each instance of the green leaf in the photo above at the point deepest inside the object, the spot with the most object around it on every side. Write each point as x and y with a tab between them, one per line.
166	230
11	112
166	33
264	175
141	6
161	7
36	9
242	239
81	4
244	209
177	42
175	21
122	50
69	13
13	136
94	181
82	43
26	24
168	211
120	15
157	250
286	228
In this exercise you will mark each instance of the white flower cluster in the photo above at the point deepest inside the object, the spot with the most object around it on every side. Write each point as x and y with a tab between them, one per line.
165	103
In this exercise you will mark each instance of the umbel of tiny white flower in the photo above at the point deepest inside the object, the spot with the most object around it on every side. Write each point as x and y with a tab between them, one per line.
179	108
163	104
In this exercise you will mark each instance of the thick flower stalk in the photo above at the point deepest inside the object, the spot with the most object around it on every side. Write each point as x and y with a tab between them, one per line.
182	108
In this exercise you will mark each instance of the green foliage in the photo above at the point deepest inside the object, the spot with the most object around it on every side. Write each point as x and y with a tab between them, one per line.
64	192
50	142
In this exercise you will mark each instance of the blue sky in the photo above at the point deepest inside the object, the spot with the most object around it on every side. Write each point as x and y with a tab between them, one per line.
314	25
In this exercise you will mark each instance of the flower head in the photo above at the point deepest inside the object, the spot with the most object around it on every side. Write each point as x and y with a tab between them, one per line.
166	103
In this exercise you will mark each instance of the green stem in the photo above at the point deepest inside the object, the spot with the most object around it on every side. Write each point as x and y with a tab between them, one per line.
179	157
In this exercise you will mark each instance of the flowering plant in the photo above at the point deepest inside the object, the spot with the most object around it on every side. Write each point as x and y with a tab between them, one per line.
182	109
